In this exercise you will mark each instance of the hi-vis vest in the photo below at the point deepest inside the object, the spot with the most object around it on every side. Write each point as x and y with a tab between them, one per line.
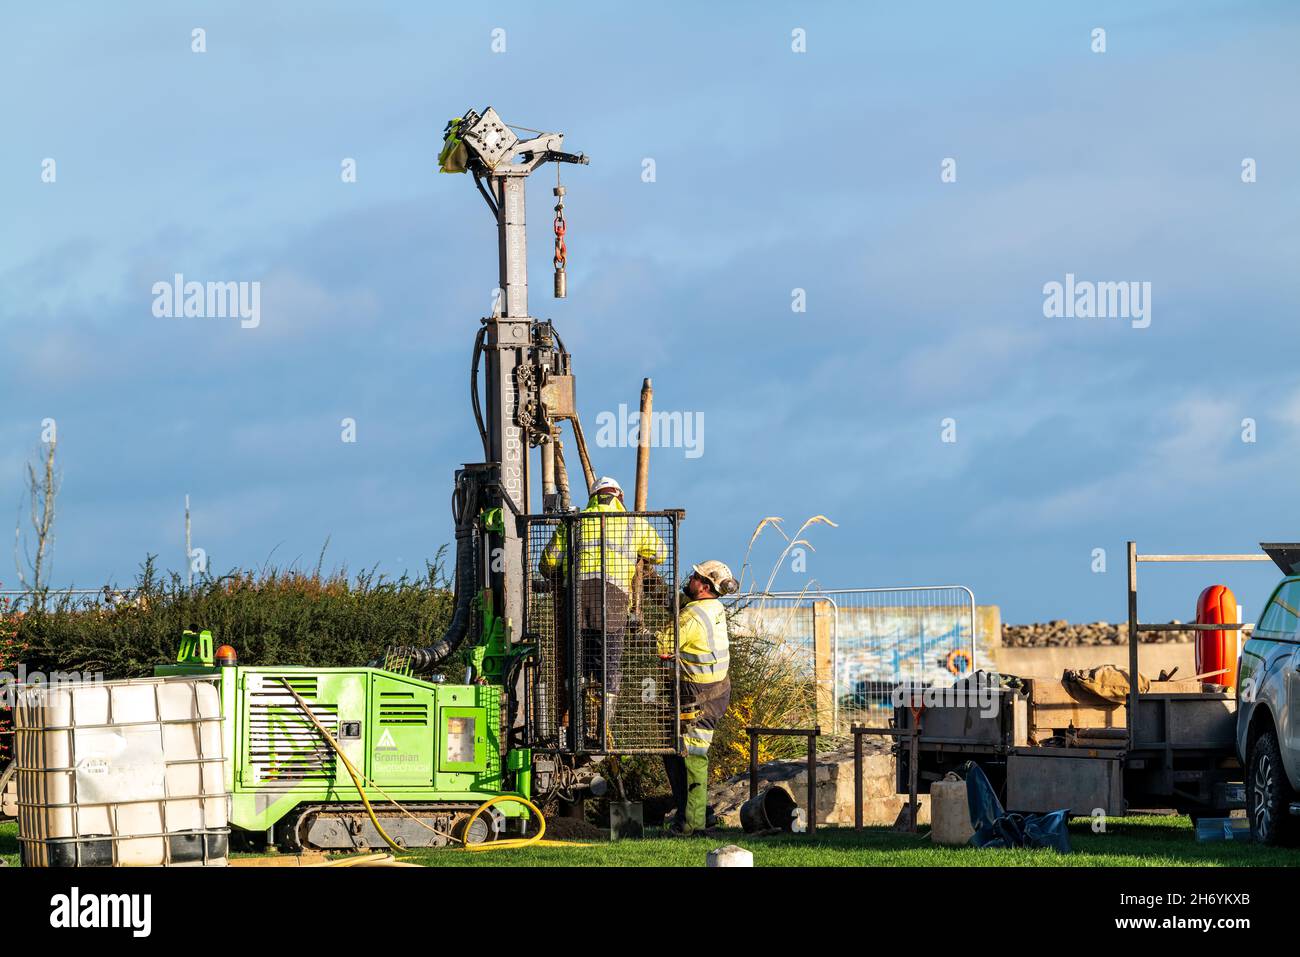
626	539
701	641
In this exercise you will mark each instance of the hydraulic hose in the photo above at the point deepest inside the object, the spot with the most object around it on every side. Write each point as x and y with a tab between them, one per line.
465	506
473	391
425	659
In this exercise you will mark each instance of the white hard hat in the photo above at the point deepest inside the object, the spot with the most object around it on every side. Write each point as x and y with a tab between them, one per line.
718	574
605	482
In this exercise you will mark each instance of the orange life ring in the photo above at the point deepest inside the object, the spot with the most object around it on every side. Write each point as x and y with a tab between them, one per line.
955	656
1216	651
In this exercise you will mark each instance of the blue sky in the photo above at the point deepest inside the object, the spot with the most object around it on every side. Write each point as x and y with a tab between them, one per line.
775	170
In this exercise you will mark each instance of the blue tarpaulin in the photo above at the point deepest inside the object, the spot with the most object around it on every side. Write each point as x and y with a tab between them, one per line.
994	827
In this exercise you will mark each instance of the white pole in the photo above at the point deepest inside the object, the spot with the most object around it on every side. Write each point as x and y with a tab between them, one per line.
189	566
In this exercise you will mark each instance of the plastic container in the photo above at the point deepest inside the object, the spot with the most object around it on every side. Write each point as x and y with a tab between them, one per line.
950	812
1217	650
121	773
1223	829
9	799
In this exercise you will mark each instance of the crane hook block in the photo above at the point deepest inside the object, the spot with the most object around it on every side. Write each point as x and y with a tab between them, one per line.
561	252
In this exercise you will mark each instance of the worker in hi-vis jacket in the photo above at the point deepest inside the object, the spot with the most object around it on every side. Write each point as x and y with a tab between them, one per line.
606	561
703	652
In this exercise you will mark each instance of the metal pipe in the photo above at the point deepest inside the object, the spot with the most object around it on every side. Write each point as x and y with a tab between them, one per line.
1130	719
602	719
642	490
913	773
675	611
1193	626
753	763
582	454
550	495
1202	558
812	783
643	446
857	780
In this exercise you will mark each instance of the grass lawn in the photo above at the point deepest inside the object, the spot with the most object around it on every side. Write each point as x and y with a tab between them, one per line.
1137	841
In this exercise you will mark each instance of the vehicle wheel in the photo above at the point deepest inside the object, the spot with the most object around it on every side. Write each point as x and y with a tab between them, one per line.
1268	794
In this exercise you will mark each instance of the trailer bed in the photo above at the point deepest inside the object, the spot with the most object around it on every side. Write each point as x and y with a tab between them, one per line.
1183	756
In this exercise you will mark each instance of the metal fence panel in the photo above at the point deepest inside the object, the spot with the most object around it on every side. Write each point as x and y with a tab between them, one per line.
15	601
858	644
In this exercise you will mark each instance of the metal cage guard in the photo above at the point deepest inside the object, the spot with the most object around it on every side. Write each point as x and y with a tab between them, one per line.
599	684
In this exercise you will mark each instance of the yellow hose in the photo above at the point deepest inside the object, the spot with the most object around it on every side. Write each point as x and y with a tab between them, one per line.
358	777
355	774
511	843
514	843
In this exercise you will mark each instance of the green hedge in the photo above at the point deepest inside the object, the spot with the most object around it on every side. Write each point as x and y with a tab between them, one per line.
11	654
270	616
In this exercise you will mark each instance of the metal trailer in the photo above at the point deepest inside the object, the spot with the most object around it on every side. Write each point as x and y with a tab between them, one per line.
1176	748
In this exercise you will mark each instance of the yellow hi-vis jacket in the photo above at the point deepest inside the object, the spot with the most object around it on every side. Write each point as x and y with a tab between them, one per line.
701	641
627	538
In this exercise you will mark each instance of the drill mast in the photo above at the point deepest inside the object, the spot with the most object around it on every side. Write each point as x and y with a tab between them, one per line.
528	387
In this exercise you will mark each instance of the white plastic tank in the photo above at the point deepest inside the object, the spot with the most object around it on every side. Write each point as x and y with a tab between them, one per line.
9	800
121	773
950	812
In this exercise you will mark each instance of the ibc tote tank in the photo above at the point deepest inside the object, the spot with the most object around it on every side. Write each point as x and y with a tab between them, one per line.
121	773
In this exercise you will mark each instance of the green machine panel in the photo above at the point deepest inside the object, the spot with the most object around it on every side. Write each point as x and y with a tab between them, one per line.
401	728
280	747
468	724
463	739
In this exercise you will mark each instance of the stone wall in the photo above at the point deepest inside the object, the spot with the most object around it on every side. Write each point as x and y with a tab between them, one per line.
834	788
1061	633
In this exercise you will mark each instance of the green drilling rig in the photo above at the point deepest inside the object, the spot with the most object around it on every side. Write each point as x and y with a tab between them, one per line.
562	615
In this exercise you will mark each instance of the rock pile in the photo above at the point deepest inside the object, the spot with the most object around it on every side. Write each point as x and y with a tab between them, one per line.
1062	633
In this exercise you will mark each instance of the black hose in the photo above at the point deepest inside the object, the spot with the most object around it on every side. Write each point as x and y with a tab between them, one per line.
425	659
492	203
473	392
